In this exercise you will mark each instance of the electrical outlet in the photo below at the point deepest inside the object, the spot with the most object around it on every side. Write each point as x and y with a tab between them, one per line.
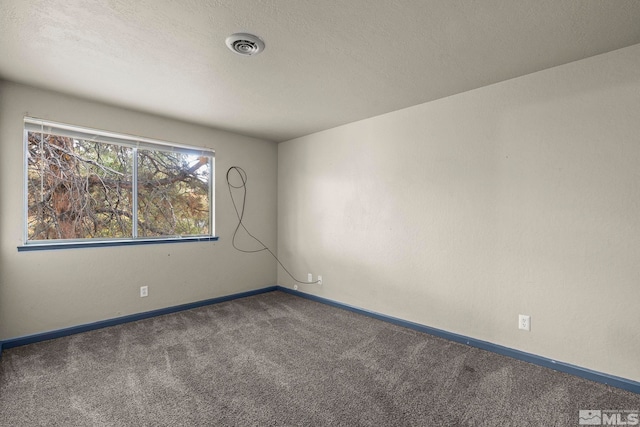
319	279
295	287
309	277
144	291
524	322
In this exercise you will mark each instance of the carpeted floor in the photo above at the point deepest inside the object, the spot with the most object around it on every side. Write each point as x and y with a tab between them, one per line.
276	359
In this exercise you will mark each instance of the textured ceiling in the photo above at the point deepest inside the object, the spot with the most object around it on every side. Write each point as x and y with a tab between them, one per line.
326	63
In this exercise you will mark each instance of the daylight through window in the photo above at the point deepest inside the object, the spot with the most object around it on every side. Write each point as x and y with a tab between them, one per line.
87	184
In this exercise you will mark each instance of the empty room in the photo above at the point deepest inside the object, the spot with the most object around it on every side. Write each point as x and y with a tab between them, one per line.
319	213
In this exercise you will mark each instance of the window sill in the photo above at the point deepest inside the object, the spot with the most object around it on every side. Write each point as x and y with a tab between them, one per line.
105	243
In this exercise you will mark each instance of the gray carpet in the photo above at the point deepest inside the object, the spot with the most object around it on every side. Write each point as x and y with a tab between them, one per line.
276	359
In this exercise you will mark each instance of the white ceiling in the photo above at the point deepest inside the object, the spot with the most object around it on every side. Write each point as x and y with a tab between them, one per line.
326	62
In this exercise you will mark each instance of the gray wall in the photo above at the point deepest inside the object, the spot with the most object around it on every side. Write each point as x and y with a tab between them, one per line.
460	214
48	290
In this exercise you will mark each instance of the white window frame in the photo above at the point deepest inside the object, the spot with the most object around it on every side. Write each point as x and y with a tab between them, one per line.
32	124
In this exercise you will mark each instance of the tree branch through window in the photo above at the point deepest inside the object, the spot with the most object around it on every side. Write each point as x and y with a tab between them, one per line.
83	189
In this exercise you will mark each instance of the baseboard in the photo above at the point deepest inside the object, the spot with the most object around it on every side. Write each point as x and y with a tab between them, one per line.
30	339
612	380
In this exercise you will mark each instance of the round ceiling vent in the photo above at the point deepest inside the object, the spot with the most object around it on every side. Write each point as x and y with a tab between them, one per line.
245	44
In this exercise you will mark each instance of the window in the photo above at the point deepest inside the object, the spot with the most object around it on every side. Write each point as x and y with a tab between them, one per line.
85	186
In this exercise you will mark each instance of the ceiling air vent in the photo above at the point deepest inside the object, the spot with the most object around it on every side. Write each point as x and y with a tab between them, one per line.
245	44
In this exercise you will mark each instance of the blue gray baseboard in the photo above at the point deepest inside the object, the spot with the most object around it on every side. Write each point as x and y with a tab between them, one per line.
30	339
612	380
568	368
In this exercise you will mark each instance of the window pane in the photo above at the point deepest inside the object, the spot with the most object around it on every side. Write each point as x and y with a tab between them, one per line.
77	189
80	186
173	194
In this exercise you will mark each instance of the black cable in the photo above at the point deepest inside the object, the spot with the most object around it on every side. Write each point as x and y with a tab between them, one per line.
240	214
